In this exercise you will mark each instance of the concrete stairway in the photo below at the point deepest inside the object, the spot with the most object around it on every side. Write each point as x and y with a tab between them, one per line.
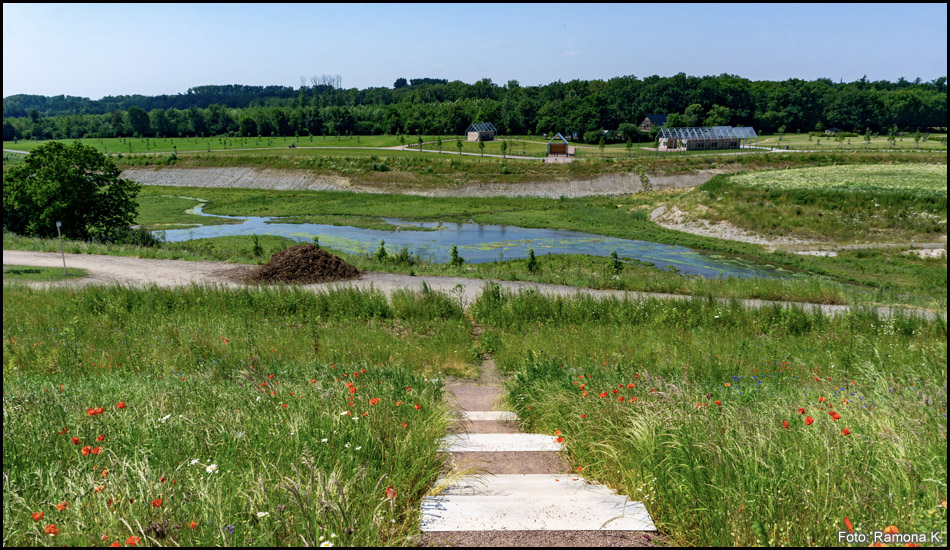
520	497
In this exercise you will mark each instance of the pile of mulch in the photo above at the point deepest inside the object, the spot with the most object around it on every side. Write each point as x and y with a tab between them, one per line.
304	264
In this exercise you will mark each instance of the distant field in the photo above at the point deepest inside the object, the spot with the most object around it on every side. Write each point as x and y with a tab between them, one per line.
921	179
934	142
183	145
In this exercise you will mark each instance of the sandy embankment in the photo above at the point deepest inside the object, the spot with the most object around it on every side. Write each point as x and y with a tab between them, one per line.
254	178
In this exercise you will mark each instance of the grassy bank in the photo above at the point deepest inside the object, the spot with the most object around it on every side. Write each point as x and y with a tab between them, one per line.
26	273
734	426
228	417
842	204
874	277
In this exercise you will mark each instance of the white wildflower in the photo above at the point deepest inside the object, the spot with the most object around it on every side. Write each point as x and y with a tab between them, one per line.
263	514
212	468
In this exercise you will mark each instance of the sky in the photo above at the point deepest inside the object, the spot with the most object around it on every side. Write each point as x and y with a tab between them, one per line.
96	50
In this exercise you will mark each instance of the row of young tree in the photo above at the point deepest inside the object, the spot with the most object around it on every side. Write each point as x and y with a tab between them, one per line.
432	106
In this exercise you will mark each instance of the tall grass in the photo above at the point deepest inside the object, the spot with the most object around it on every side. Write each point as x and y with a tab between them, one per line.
275	417
681	405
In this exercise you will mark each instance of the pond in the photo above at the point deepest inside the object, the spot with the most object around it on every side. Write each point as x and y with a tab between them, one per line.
479	243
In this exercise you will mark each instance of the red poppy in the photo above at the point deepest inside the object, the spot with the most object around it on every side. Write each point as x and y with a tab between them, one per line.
801	411
583	416
718	402
846	431
193	524
270	376
390	492
101	437
62	506
157	502
417	406
132	541
51	529
785	424
560	440
891	529
115	544
620	399
353	390
834	415
75	441
603	395
809	420
96	450
86	450
162	480
374	401
120	405
37	516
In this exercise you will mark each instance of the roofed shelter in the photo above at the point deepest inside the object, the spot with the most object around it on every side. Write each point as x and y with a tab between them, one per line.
558	146
481	131
704	139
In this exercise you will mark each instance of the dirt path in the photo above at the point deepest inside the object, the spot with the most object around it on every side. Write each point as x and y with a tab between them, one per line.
169	273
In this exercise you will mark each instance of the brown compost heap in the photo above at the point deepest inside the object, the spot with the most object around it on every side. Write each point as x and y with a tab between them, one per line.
305	264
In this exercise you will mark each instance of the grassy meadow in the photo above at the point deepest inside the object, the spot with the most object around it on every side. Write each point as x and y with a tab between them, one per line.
838	204
207	416
736	427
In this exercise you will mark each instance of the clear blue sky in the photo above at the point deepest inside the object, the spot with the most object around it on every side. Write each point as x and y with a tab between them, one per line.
96	50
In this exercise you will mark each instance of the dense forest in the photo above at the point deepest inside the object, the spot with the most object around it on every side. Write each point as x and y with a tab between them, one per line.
435	106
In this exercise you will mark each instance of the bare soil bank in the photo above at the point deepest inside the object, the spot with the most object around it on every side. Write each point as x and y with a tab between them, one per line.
254	178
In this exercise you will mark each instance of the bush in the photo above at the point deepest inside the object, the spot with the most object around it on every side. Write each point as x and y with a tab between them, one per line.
75	185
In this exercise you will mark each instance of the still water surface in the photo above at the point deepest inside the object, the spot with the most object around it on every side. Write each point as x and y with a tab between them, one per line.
479	243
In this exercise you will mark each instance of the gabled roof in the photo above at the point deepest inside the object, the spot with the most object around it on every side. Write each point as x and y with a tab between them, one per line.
481	127
657	120
716	132
560	137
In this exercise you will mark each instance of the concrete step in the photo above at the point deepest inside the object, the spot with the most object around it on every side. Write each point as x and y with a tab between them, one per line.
498	416
482	442
527	502
577	510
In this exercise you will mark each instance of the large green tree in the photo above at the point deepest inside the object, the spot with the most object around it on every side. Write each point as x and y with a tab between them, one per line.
74	184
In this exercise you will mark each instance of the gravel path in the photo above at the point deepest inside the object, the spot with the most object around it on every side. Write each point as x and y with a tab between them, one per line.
170	273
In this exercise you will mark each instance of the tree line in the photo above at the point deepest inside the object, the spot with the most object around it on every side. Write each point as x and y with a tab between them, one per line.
434	106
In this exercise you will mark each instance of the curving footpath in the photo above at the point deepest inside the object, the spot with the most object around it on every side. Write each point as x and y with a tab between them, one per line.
170	273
